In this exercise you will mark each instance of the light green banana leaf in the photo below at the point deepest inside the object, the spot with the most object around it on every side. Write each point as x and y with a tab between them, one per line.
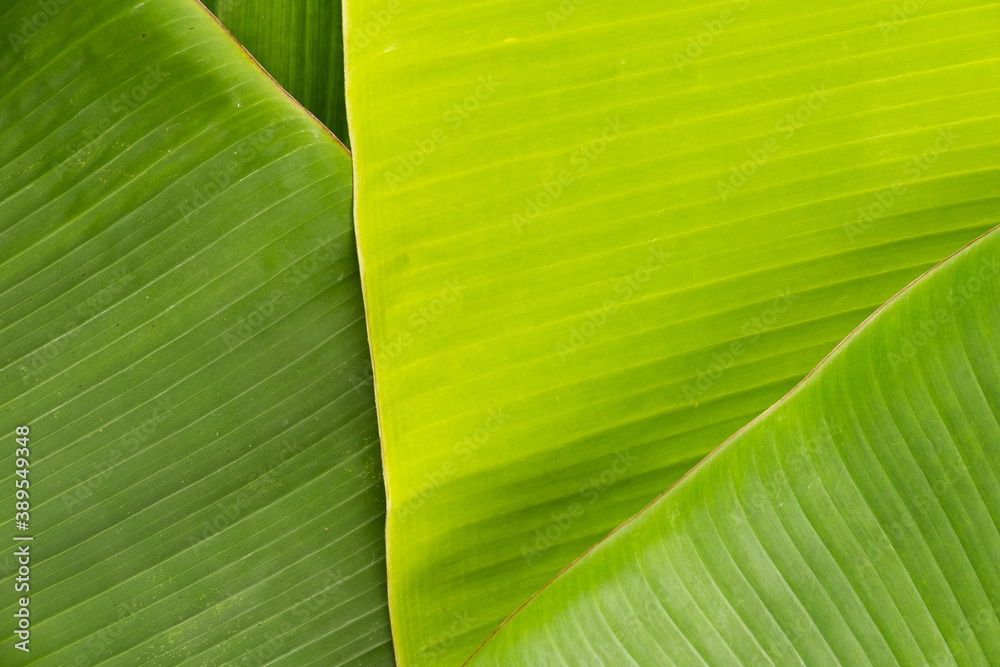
855	522
597	238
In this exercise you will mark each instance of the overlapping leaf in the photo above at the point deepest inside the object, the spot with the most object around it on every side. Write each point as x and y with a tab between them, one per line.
600	237
300	43
181	328
854	523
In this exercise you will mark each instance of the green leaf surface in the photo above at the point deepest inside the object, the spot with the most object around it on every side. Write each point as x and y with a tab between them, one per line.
598	238
855	522
181	328
300	43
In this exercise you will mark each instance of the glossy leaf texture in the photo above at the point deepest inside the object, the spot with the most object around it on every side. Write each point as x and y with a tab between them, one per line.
855	522
300	43
181	328
598	238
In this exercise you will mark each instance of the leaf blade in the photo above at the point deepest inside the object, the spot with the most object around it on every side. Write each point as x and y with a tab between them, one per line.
183	332
564	317
891	483
301	45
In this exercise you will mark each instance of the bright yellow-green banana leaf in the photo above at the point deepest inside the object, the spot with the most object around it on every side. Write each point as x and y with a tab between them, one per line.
182	337
599	237
853	523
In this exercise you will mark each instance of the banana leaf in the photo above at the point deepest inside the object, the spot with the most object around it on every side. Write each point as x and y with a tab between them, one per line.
855	522
598	238
300	44
182	338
